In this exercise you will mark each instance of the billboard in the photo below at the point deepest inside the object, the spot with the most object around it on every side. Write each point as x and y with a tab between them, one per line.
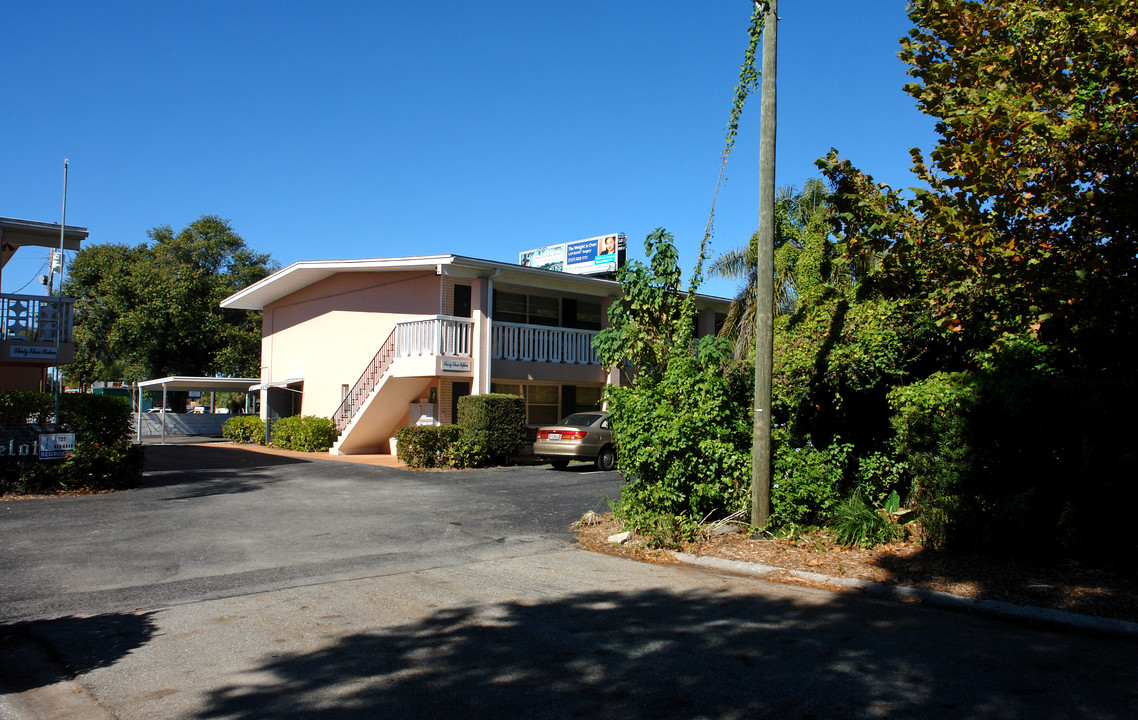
591	256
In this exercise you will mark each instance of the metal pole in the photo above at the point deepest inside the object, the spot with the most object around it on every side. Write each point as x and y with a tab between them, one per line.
764	290
59	299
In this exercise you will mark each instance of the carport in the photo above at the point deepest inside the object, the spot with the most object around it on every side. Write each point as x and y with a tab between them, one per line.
178	382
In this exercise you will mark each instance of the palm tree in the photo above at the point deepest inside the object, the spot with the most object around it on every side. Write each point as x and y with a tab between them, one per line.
799	217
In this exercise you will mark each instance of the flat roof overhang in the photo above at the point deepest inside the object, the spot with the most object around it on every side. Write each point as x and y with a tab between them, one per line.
182	382
300	275
19	233
275	384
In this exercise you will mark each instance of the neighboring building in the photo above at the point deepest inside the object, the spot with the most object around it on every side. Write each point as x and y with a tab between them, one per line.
380	343
35	330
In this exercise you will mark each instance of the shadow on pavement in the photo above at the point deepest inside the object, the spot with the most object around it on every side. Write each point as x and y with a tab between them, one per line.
187	458
91	642
663	654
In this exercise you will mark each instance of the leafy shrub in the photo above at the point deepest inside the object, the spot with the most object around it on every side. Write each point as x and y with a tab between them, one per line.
935	436
244	429
880	473
496	423
307	433
1022	463
461	454
806	481
425	446
859	524
104	457
685	443
114	466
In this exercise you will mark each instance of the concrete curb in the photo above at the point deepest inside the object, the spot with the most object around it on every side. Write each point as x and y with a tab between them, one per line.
935	598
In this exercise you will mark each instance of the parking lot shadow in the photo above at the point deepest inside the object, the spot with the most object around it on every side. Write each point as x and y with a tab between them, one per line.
663	654
88	643
162	458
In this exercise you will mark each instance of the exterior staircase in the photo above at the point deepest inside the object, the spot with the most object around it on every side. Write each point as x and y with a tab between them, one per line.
362	422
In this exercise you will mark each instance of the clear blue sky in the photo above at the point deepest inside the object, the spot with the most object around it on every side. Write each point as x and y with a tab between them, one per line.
372	129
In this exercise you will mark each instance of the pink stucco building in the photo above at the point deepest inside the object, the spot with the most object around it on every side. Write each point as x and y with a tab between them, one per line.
380	343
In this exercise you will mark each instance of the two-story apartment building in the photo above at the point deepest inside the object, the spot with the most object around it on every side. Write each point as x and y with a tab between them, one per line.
379	343
35	330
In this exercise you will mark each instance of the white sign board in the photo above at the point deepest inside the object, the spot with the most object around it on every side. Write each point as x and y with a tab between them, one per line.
53	446
450	365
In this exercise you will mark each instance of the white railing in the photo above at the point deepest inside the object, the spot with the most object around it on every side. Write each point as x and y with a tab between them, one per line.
534	343
439	335
36	318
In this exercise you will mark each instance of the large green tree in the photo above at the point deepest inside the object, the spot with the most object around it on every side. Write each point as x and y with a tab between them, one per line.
1027	221
152	310
1022	242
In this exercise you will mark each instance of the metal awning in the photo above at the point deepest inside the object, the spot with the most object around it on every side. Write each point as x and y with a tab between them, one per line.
181	382
275	384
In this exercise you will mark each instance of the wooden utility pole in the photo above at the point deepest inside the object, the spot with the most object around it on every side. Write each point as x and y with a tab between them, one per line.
764	290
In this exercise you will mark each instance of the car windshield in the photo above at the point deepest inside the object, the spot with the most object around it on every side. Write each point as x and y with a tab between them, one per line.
580	419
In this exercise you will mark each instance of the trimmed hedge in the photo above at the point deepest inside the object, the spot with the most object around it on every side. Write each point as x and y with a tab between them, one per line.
425	446
495	423
245	429
309	433
104	456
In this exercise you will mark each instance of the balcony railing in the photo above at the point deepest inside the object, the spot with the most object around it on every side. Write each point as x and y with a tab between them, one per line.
36	318
534	343
438	335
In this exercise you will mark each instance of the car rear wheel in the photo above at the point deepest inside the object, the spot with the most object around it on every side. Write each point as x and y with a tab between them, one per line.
606	459
559	464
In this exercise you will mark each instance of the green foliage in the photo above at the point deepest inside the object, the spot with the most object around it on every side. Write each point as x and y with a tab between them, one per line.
836	360
152	310
1024	225
681	421
880	474
806	481
244	429
461	454
104	457
426	446
645	324
495	424
1020	463
802	247
307	433
859	524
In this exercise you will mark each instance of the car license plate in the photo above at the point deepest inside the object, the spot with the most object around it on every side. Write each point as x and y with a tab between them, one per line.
554	436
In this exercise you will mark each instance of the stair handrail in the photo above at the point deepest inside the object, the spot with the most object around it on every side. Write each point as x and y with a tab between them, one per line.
370	377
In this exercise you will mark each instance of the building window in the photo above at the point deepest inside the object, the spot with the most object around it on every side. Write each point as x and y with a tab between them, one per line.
542	406
462	305
510	307
544	311
546	404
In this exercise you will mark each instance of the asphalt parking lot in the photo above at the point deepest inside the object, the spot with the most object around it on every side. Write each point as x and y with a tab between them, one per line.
219	520
244	585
